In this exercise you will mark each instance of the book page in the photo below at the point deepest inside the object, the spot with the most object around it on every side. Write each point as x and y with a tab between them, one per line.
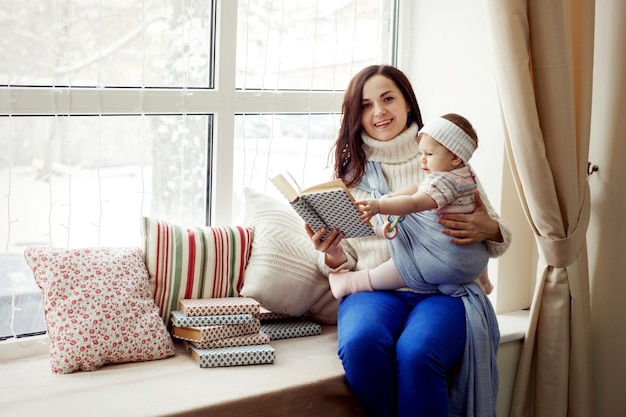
336	184
286	185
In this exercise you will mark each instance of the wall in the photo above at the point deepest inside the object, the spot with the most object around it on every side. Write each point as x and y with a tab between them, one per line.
606	236
450	67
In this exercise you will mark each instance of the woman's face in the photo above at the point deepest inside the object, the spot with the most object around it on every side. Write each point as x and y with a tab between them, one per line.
384	109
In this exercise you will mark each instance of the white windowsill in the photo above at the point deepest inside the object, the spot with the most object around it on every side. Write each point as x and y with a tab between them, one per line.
12	349
32	389
512	327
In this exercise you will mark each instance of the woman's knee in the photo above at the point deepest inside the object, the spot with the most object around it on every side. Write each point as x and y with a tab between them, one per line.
420	358
365	341
364	334
434	338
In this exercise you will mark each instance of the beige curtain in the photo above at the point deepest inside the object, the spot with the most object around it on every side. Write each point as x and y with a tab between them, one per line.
543	60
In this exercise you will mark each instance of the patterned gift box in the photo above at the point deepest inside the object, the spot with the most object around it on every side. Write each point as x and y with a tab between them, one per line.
219	306
259	338
204	334
181	320
285	329
233	356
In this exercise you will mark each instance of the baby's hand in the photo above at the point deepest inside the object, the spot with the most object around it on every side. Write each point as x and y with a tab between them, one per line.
368	209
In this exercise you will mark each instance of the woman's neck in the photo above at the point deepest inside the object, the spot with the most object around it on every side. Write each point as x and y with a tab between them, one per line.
399	149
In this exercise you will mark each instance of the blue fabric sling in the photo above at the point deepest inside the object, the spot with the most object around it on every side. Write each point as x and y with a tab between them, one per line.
475	390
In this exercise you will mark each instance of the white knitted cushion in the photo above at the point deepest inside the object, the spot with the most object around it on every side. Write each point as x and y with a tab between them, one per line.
282	272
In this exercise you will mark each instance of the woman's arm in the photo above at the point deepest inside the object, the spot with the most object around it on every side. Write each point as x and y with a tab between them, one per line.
473	227
483	225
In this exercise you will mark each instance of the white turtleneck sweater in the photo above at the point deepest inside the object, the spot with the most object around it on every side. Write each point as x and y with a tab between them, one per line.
399	160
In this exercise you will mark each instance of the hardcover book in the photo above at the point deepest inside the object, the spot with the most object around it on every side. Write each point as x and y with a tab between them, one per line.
285	329
233	356
259	338
219	306
204	334
267	315
178	319
329	205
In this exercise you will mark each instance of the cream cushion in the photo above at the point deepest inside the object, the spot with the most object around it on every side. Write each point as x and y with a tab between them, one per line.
282	272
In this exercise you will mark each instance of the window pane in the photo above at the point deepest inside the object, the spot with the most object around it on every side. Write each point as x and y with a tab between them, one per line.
86	181
21	307
309	44
266	144
159	43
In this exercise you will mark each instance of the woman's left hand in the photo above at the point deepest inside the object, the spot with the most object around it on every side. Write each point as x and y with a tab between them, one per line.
465	229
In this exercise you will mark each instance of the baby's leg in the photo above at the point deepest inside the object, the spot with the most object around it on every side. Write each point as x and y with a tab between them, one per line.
384	277
485	282
348	282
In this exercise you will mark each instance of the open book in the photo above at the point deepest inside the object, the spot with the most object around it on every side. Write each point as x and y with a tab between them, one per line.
329	205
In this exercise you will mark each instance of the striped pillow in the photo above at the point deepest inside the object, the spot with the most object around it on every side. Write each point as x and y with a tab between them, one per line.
194	262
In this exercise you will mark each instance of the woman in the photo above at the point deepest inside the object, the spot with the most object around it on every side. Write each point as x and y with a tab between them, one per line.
398	348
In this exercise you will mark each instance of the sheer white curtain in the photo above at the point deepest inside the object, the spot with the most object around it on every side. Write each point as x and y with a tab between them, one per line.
82	156
113	110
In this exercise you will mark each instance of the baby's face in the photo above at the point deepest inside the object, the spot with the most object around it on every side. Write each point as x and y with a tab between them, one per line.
435	157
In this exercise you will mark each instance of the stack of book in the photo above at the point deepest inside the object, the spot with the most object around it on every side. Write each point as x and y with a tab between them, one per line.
234	330
222	331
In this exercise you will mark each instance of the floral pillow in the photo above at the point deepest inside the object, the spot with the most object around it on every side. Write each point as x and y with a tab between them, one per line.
98	307
194	262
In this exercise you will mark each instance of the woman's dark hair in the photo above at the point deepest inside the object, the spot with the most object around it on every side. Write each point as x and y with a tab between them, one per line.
349	155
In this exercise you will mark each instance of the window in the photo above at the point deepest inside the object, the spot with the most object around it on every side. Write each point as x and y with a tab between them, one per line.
167	108
79	43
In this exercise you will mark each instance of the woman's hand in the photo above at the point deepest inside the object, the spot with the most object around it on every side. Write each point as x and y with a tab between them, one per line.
330	246
471	228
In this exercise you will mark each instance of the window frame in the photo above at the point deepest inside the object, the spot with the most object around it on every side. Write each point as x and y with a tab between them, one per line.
220	100
224	101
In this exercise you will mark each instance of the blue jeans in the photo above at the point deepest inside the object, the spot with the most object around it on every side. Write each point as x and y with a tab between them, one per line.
397	349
